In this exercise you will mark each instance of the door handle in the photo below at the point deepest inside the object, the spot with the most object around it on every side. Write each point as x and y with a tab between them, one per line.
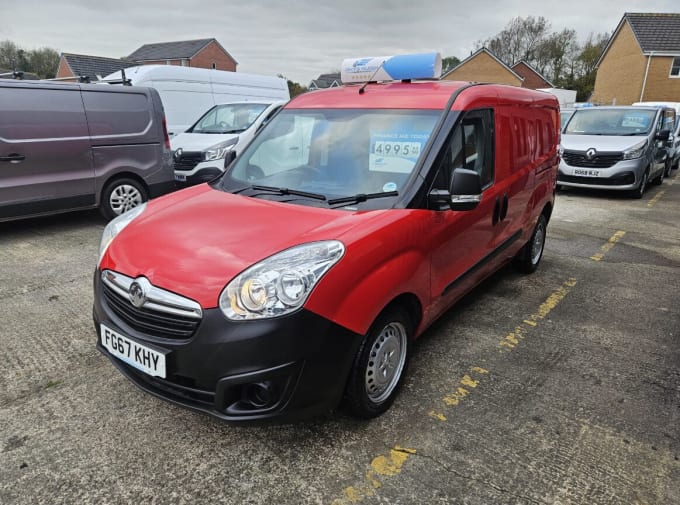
496	212
13	158
504	207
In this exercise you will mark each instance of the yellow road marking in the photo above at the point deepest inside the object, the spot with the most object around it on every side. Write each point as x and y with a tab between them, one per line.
381	466
656	198
607	247
385	466
513	339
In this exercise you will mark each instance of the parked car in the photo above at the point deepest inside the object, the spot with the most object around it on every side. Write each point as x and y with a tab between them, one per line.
352	221
76	146
187	92
201	153
565	116
674	140
617	148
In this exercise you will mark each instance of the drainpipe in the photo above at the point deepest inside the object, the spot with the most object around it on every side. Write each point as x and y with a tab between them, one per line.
644	81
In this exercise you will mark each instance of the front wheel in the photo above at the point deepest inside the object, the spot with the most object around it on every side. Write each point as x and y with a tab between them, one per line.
530	255
121	195
380	365
640	190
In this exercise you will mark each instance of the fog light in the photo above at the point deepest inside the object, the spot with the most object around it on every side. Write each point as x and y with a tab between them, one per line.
260	394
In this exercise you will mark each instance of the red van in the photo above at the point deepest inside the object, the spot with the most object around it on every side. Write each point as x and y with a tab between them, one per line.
299	279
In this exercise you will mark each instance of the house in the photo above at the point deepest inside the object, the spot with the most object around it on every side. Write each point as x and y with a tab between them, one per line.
325	81
77	66
483	66
531	78
641	61
201	53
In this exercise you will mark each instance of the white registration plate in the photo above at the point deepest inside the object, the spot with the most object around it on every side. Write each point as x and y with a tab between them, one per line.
587	173
133	353
180	177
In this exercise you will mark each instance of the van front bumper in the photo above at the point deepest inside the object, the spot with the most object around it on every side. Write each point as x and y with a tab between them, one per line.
283	369
623	176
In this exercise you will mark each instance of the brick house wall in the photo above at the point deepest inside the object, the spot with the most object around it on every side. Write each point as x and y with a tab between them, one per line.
213	53
659	86
163	62
531	79
483	68
621	71
64	70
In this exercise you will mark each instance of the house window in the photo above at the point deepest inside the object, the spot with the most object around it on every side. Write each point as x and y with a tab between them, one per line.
675	68
214	66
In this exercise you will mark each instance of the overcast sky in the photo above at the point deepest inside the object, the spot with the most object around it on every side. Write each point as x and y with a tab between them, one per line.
297	38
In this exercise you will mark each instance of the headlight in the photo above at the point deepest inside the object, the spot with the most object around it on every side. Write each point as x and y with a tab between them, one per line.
115	226
218	151
281	283
635	152
560	149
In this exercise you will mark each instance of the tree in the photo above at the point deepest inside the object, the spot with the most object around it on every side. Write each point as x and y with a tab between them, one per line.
449	63
43	61
294	88
519	39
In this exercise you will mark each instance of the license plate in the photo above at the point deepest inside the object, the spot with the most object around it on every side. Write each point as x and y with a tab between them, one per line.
180	177
133	353
587	173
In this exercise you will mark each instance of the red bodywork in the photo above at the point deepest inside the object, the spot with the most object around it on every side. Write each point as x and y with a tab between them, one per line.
195	241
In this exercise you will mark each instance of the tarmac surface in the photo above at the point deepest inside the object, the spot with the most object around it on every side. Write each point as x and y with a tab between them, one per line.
560	387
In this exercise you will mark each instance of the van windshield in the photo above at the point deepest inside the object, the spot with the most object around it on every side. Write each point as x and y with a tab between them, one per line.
336	153
228	118
615	122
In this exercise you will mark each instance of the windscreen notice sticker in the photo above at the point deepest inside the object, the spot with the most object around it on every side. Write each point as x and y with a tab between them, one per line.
635	121
396	151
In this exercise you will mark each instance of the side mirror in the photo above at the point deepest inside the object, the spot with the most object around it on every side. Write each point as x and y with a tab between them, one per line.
663	135
465	192
228	158
466	189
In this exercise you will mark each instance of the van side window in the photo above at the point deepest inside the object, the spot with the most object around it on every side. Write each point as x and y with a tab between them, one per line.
470	146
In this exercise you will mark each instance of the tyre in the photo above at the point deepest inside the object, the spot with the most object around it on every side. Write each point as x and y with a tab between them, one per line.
640	190
121	195
658	180
530	255
669	167
380	365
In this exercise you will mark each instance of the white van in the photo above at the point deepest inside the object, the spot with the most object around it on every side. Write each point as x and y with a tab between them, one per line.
674	140
202	152
188	92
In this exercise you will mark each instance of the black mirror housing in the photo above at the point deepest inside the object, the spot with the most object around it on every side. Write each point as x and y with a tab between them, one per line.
466	189
228	158
663	135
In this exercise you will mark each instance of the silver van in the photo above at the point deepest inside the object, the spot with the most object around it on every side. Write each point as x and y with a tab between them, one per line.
75	146
618	148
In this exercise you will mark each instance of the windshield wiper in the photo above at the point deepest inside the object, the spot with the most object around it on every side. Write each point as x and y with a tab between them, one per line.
362	197
285	191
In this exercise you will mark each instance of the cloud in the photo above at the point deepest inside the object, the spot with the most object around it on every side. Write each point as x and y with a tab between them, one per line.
298	38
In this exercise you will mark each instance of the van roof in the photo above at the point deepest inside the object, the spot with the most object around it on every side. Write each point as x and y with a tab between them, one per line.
143	73
416	95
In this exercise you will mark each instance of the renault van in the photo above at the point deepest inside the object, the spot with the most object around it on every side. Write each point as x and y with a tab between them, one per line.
616	148
201	153
353	220
77	146
674	139
188	92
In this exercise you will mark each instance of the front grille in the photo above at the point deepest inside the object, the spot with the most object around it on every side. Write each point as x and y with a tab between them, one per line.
600	160
150	322
187	161
156	312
